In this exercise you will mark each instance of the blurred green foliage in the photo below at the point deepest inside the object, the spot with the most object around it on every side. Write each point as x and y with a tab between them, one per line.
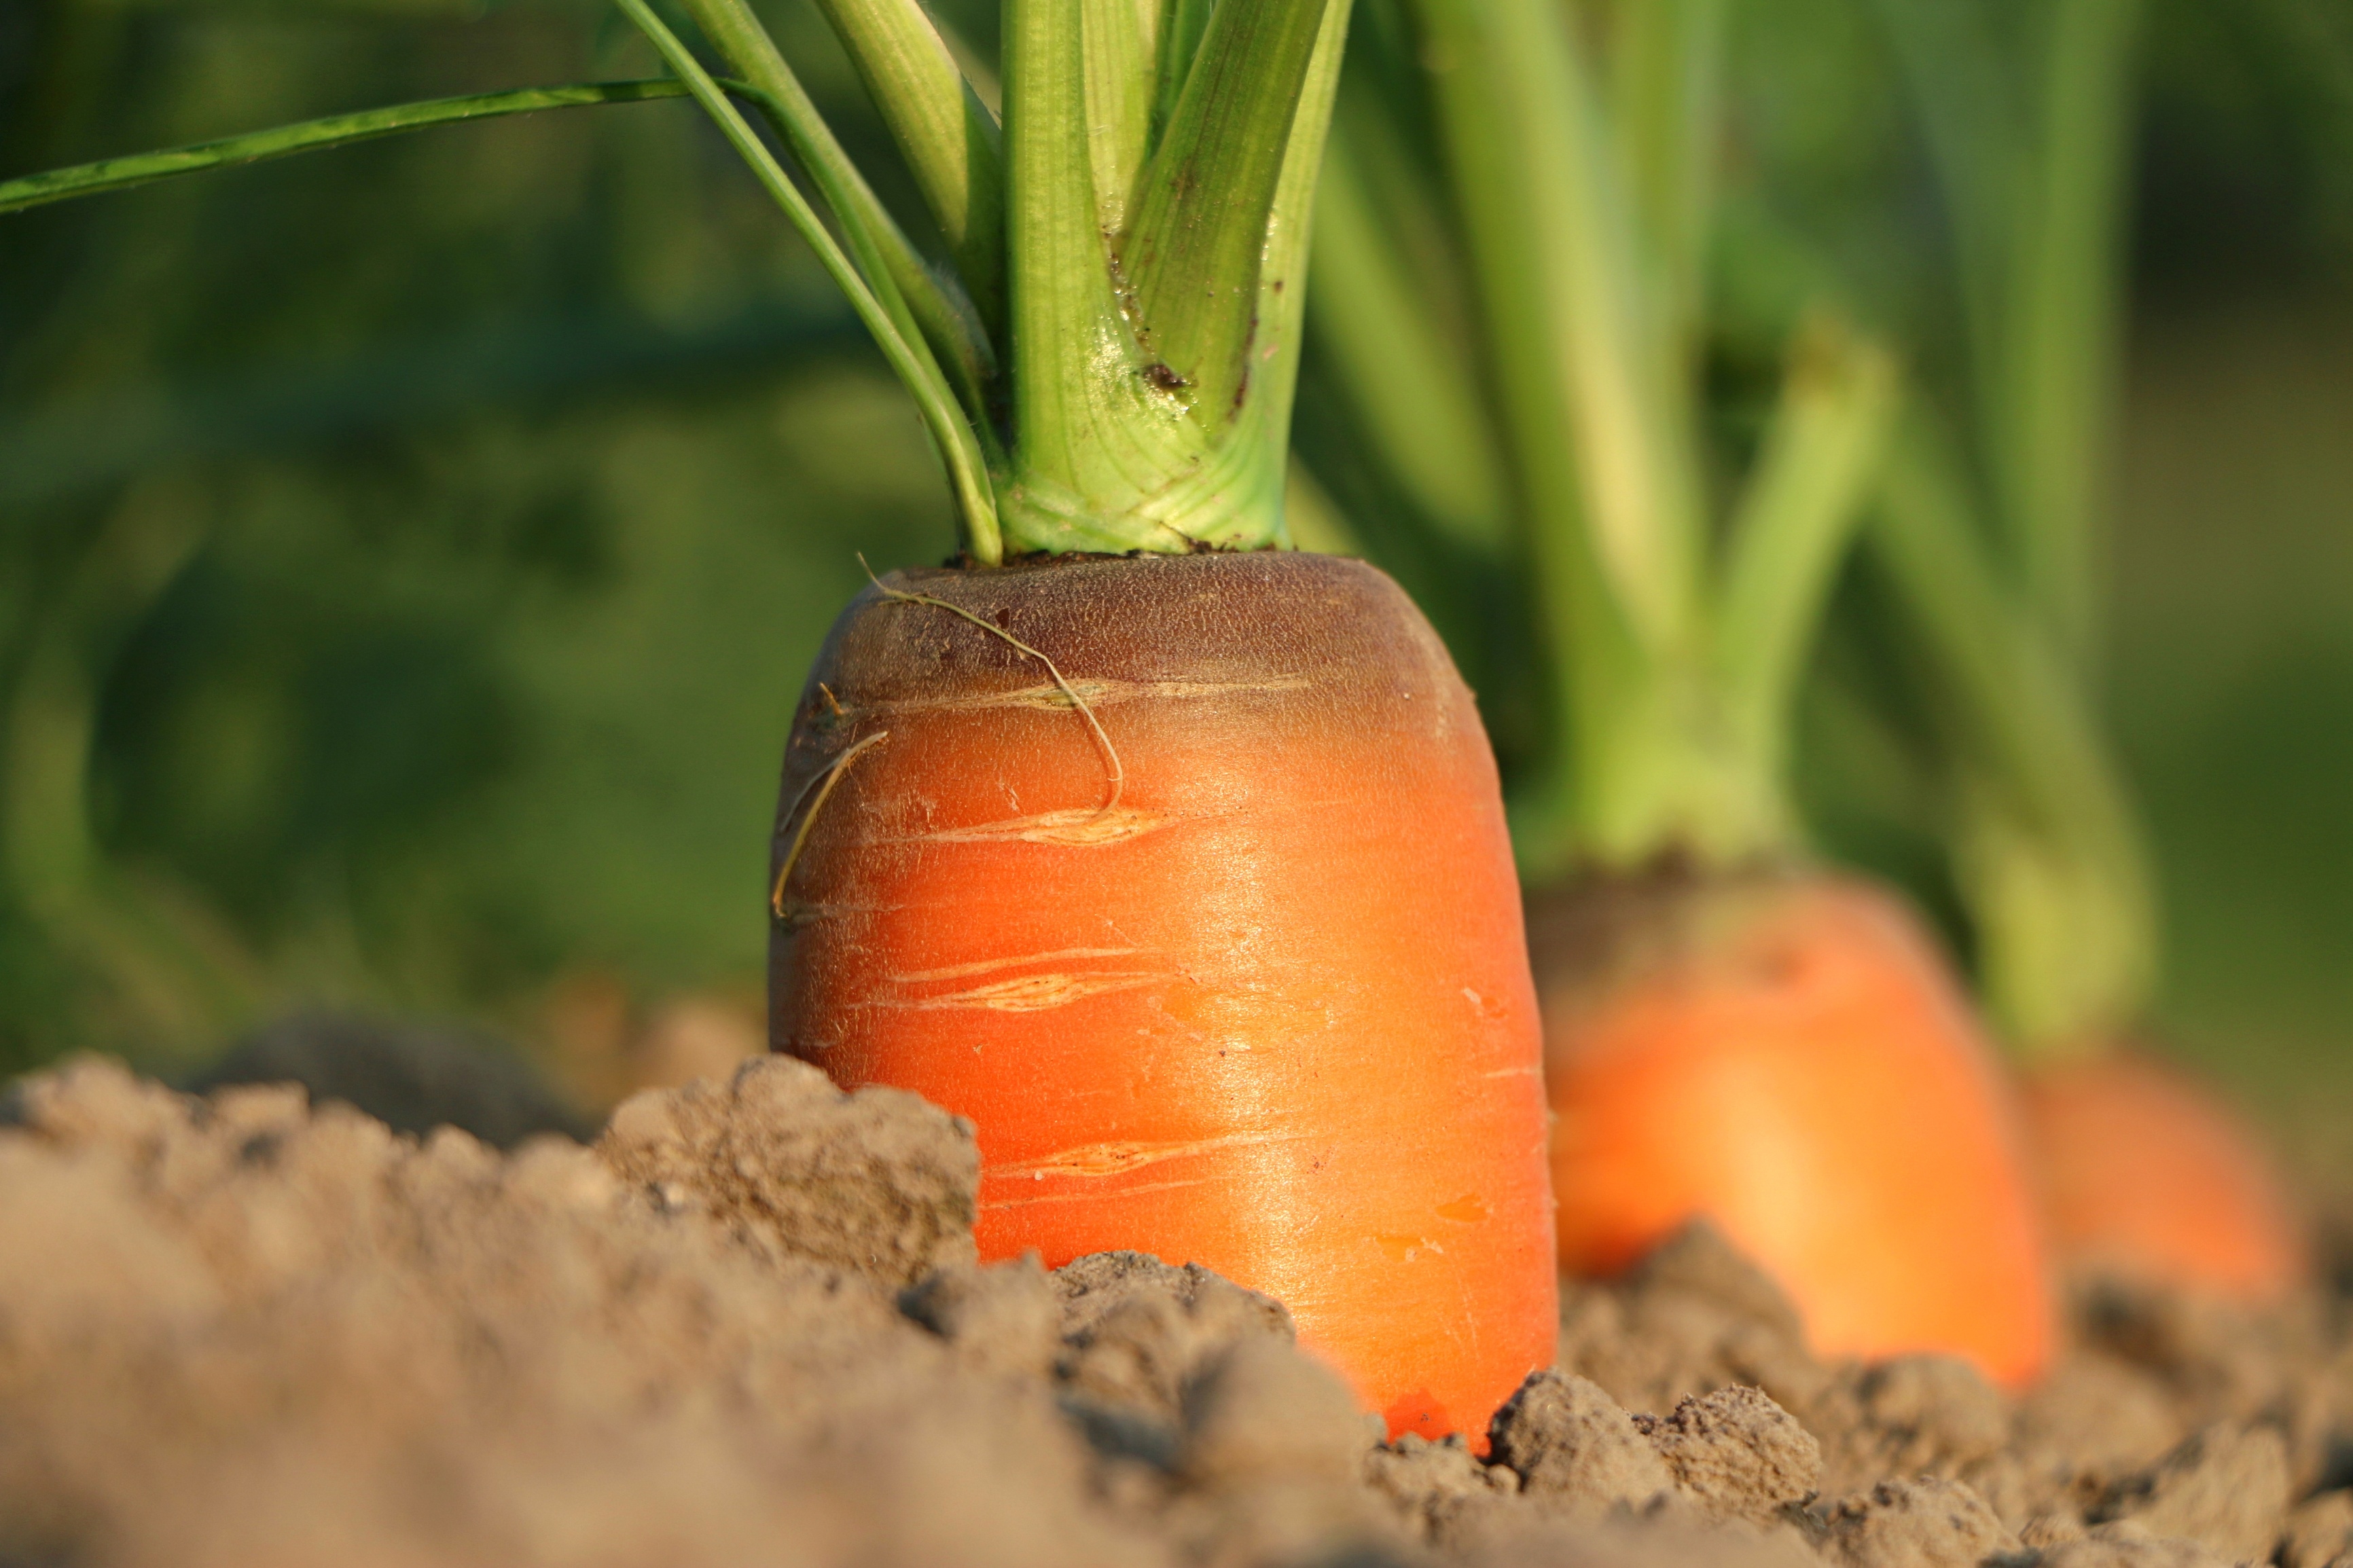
409	555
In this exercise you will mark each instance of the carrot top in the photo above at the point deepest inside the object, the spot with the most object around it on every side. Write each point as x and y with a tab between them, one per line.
1567	195
1105	356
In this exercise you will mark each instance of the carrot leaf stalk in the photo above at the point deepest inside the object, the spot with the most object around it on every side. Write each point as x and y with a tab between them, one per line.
1106	361
2049	853
1990	542
1142	216
872	292
1676	622
949	138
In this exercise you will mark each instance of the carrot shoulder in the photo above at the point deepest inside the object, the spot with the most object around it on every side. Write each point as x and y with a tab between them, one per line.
1233	974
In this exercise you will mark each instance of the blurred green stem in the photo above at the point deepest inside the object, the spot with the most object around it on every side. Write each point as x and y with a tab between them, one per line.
2051	856
1409	378
2051	404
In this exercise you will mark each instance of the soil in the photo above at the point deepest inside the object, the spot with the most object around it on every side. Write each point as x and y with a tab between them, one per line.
745	1327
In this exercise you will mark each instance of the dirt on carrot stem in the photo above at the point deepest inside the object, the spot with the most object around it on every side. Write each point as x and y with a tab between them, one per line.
1209	926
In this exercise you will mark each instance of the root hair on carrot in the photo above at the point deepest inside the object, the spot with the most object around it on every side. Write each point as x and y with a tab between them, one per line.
823	785
1112	764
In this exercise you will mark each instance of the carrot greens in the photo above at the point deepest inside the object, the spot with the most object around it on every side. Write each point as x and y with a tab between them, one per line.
1105	358
1988	527
1573	181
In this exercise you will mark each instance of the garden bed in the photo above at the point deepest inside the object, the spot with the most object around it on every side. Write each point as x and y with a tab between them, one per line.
746	1326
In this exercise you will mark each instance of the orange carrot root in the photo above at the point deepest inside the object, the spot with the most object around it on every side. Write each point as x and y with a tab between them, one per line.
1787	1056
2145	1173
1268	1011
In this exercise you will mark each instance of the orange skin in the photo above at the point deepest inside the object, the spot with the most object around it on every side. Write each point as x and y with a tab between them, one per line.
2145	1173
1787	1056
1270	1012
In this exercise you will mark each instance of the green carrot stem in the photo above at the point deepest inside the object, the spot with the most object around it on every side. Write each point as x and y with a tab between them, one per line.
1410	380
945	319
2050	400
2052	855
1193	253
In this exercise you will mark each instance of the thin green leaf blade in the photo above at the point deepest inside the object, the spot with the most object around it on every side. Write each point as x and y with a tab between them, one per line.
950	140
908	356
313	136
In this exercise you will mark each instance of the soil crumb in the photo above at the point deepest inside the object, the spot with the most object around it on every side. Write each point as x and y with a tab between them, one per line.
745	1327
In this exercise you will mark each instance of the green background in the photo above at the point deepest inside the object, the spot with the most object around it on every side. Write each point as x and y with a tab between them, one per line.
410	556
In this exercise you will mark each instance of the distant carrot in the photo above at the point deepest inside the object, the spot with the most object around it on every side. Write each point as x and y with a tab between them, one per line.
2145	1174
1789	1057
1239	980
1987	535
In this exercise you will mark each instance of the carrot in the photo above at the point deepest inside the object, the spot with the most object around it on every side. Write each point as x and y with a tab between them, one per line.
1789	1056
1730	1030
1238	979
1987	536
2145	1174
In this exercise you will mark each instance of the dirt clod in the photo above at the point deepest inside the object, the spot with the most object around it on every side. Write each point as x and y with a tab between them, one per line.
1577	1452
1922	1523
1262	1408
2124	1544
1736	1454
881	1180
2226	1486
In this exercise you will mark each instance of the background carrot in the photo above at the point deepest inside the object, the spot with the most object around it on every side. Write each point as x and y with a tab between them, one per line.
1791	1059
1729	1032
1266	1009
1985	548
2145	1174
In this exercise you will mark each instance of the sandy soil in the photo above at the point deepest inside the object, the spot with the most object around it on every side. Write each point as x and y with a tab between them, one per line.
745	1327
